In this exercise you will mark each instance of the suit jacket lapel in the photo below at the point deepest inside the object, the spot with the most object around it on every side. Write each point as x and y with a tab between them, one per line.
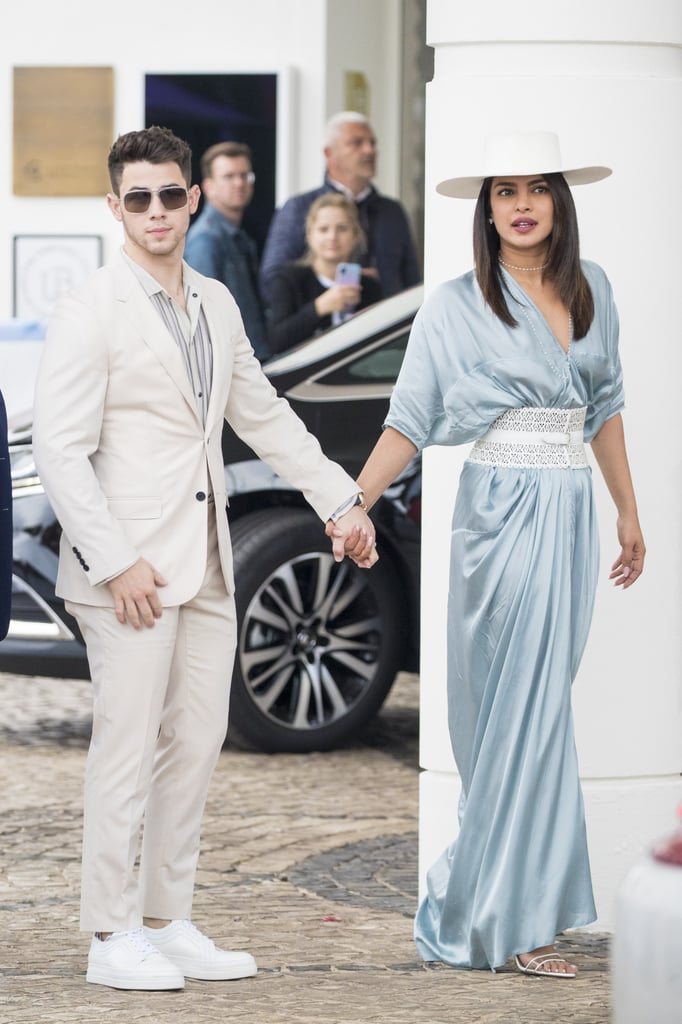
220	343
146	322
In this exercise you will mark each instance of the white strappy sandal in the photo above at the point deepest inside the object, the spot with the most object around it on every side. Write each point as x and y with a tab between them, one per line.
535	966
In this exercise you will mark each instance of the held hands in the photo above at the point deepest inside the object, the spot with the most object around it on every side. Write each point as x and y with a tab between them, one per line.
629	565
353	535
135	594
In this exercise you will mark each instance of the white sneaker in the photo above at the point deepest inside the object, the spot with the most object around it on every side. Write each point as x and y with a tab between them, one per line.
128	960
197	956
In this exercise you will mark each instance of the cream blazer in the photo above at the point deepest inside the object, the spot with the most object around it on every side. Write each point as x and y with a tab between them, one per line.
121	449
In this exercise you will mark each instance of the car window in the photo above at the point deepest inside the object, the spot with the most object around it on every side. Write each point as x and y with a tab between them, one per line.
378	366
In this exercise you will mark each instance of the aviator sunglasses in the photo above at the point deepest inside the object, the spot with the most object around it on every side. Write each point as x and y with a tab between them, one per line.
138	200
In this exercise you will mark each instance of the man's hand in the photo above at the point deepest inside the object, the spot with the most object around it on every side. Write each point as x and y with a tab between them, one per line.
353	535
136	599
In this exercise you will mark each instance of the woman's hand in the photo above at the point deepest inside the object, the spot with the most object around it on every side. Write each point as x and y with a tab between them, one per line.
609	449
629	565
338	298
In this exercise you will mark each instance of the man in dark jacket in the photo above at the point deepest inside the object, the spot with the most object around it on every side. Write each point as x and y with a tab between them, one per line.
351	153
5	526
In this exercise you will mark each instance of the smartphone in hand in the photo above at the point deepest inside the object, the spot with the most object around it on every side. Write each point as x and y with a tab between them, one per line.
348	273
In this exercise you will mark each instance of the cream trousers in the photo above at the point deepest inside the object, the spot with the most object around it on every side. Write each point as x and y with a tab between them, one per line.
160	704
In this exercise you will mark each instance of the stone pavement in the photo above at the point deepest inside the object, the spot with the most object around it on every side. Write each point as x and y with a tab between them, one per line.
307	861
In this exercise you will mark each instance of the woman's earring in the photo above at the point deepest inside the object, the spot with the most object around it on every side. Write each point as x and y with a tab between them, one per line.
490	220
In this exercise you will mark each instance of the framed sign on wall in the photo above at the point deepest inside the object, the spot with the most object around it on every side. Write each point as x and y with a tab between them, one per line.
48	266
63	127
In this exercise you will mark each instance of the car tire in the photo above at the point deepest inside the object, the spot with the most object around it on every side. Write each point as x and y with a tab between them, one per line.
319	642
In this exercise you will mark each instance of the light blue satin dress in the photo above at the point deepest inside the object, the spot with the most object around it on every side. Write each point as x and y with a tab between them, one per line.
524	563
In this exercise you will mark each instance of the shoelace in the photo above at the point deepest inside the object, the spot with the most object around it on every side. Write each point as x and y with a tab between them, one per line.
139	941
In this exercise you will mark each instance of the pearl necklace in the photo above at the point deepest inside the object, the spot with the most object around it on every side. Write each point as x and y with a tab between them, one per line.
510	266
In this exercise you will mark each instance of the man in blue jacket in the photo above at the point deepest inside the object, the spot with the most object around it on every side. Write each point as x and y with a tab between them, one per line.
351	154
5	526
217	245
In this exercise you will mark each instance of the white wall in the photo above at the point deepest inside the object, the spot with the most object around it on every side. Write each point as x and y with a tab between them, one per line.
206	37
354	36
607	78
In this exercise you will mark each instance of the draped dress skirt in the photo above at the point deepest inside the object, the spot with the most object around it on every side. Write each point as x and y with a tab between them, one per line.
524	567
523	572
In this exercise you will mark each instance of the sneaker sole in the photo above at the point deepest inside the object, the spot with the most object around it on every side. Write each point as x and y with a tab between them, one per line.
146	983
208	972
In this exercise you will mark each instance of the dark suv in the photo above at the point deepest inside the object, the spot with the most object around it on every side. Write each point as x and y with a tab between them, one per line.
319	642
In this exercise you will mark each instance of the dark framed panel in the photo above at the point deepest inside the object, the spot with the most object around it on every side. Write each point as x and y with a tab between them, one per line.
207	108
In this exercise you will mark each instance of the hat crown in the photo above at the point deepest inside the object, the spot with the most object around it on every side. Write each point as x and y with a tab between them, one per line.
520	153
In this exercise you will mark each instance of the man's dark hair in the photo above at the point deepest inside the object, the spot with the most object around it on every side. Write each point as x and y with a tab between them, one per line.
563	259
150	145
230	149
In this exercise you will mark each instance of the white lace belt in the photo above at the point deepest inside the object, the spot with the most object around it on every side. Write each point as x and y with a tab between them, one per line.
530	438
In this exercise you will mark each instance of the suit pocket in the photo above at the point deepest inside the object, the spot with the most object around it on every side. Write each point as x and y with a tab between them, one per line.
135	508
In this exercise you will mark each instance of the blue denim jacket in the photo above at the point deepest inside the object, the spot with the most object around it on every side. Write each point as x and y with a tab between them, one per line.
218	249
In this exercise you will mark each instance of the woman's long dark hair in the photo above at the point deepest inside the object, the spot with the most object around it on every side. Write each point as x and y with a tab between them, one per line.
563	260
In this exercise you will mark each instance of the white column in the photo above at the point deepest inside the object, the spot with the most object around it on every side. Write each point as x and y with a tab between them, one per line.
606	77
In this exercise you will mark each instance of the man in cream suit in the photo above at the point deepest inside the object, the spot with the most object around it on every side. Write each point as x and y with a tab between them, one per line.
141	366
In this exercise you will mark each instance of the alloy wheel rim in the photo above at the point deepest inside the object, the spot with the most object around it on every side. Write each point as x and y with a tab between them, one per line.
310	641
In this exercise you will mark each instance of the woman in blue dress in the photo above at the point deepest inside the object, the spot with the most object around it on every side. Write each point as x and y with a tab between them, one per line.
519	356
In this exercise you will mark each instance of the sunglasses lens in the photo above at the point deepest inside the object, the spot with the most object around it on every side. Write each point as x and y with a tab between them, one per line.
137	201
173	197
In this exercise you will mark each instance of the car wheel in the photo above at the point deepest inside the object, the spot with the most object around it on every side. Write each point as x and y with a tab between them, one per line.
319	642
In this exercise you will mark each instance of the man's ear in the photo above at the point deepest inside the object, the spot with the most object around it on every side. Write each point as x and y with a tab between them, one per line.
194	196
114	204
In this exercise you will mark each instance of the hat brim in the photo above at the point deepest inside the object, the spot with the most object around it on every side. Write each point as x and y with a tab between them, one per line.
469	188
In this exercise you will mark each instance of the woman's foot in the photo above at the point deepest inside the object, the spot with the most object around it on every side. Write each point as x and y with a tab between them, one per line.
545	962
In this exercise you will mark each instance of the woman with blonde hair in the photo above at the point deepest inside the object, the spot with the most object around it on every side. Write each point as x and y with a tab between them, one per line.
306	297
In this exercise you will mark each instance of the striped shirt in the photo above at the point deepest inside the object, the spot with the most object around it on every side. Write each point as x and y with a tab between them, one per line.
188	329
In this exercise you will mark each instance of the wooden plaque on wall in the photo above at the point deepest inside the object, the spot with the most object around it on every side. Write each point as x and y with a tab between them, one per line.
357	91
63	130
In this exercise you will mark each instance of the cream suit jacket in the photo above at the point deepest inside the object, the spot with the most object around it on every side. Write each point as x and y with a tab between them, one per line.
120	446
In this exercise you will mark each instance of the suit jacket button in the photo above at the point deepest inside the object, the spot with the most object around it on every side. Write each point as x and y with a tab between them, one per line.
200	496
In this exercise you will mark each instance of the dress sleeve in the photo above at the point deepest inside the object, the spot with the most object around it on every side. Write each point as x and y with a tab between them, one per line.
416	408
608	397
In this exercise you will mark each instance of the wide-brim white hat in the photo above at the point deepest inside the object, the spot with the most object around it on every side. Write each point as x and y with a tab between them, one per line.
517	154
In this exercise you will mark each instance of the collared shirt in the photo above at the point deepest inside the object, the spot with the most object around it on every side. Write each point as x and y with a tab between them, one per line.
367	190
188	329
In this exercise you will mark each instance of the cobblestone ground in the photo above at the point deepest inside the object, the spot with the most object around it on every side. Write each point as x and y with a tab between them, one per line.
308	861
